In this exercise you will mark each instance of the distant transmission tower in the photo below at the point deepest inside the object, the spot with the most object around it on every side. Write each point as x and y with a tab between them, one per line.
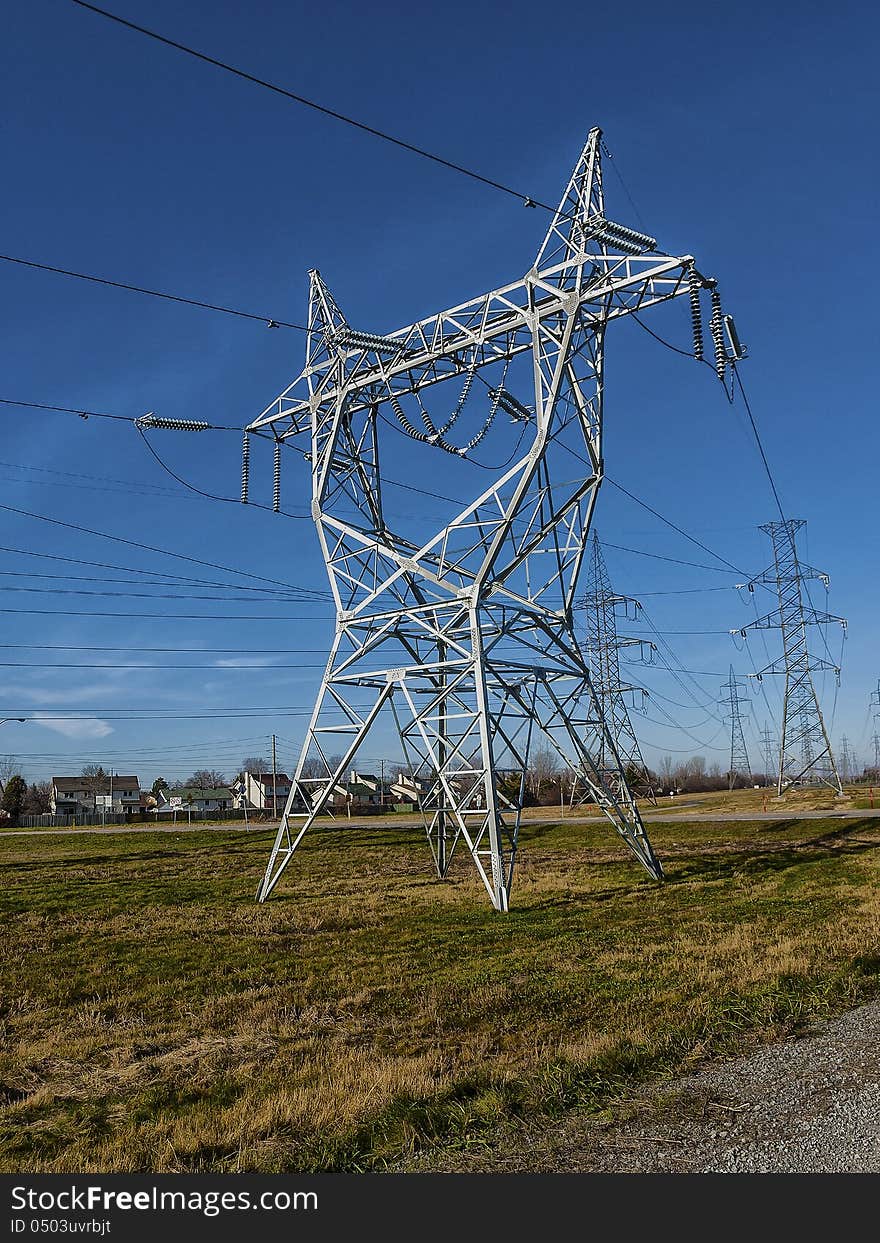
805	752
461	635
616	745
847	760
770	751
731	699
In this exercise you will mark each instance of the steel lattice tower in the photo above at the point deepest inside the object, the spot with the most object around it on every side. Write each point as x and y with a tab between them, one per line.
805	753
769	750
466	636
602	645
875	704
731	699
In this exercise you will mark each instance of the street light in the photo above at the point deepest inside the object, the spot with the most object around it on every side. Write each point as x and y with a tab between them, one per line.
22	720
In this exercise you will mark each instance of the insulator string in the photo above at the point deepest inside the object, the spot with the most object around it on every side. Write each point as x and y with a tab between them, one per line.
694	286
245	467
276	478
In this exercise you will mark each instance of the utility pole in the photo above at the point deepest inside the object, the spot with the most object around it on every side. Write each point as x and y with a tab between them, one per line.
805	752
462	631
731	699
612	741
274	781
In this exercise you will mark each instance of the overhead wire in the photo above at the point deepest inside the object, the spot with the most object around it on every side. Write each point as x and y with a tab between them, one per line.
165	552
309	103
269	320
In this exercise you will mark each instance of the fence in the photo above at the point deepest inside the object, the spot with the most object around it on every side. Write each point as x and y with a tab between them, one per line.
145	818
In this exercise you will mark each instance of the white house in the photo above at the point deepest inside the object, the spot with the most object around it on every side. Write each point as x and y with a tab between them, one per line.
73	796
255	791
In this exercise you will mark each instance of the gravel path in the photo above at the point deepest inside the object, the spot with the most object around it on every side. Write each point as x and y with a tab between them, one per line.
807	1105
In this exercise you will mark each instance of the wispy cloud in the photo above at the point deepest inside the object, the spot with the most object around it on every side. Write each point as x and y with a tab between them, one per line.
86	727
252	662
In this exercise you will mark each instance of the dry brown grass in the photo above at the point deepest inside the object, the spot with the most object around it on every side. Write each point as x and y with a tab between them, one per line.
155	1018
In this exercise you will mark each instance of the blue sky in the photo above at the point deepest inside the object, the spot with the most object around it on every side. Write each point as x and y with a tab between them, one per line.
744	134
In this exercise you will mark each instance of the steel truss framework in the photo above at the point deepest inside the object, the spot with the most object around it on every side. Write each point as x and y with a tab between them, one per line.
467	637
602	645
769	751
731	700
805	752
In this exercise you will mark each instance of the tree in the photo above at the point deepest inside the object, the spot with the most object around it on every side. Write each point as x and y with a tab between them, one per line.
14	794
8	768
159	784
94	777
314	767
255	764
543	769
39	798
206	779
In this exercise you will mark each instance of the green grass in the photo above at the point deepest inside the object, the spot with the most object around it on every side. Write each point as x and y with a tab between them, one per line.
155	1018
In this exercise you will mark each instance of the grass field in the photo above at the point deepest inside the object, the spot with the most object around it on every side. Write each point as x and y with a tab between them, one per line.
155	1018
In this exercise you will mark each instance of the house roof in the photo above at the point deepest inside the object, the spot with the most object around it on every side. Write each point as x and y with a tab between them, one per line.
266	778
100	785
194	793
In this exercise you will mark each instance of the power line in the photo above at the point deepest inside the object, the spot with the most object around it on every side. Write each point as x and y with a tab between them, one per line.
282	598
748	407
210	651
230	500
308	103
153	595
152	666
164	552
243	714
697	565
675	526
154	616
268	320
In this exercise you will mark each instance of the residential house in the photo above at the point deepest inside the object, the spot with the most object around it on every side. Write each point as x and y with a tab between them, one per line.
219	799
358	789
255	791
73	796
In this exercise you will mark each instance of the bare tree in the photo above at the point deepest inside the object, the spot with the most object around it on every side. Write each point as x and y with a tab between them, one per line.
94	777
206	779
9	766
543	769
315	767
38	800
255	764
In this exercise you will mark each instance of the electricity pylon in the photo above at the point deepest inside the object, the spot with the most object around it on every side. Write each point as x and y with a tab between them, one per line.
769	751
875	707
731	699
805	752
465	634
602	644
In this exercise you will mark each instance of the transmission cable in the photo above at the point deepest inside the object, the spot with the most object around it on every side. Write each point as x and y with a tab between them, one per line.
268	320
160	575
164	552
308	103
